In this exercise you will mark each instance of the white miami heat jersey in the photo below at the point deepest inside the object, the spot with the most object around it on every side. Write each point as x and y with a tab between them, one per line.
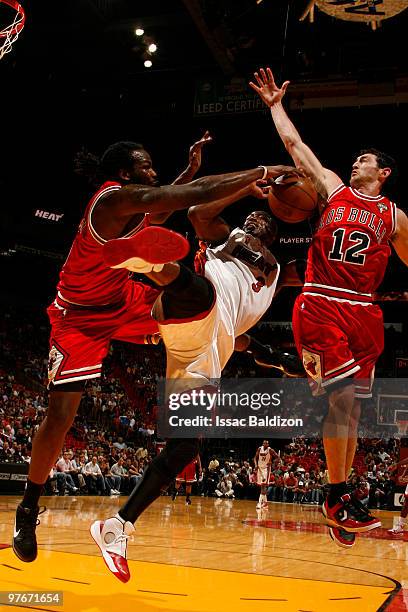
263	457
245	274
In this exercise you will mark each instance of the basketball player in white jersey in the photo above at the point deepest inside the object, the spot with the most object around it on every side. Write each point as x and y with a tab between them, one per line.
398	528
263	462
200	317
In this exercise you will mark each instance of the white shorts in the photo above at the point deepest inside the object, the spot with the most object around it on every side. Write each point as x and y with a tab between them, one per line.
197	349
262	476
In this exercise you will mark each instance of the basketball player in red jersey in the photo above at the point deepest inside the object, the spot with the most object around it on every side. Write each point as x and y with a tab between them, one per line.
187	477
338	330
96	304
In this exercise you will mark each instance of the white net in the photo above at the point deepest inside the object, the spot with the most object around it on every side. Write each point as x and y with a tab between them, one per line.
9	34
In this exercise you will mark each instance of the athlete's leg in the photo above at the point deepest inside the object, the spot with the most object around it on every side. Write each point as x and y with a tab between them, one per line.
49	439
111	535
47	444
352	435
398	528
336	433
177	485
188	493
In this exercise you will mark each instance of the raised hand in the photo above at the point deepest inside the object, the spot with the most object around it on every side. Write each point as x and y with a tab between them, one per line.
194	157
266	87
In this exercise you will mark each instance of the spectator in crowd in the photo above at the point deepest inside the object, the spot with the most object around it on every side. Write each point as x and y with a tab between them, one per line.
111	482
64	465
290	484
93	477
118	470
224	488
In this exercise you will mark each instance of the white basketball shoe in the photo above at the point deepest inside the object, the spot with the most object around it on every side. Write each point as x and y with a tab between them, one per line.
112	537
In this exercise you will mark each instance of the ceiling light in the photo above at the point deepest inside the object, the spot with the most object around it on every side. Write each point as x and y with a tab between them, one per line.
152	48
148	63
139	31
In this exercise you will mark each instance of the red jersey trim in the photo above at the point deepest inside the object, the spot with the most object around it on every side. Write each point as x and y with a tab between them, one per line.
330	381
338	289
336	191
363	196
75	378
337	294
92	230
62	303
337	299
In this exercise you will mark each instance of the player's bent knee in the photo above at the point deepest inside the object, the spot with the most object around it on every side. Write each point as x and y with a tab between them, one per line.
188	296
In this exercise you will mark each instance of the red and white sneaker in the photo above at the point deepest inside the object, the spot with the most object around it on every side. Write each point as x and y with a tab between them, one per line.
146	251
112	537
341	537
397	530
349	515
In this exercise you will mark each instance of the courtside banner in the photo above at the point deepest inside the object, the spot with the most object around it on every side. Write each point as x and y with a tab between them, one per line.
275	408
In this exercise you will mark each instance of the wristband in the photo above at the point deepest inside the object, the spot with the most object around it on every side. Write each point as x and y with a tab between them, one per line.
265	172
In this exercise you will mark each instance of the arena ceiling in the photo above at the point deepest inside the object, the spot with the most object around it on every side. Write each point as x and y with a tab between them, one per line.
86	40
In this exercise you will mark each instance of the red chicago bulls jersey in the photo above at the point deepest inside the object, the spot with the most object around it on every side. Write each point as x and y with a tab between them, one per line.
84	278
349	252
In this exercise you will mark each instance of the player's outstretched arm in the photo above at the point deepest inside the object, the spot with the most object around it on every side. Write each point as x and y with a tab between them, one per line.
134	199
206	219
325	180
399	239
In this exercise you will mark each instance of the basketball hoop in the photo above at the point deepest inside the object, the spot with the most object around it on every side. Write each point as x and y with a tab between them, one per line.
9	34
402	428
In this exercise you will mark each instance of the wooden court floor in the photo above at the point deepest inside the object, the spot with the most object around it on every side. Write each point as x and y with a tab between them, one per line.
215	555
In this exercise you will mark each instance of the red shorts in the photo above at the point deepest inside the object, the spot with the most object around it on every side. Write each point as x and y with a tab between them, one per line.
80	338
338	340
188	474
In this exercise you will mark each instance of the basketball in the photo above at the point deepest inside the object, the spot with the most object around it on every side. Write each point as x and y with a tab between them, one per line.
292	198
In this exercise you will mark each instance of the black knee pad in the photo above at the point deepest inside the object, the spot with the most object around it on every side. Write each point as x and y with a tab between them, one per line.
176	455
187	296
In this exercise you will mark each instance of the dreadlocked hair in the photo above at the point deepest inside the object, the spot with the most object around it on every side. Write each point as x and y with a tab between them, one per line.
86	165
118	156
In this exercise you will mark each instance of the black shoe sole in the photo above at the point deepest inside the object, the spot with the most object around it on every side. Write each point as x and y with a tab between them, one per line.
24	559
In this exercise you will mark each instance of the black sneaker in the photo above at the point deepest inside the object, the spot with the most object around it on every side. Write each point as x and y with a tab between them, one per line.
24	540
289	364
188	502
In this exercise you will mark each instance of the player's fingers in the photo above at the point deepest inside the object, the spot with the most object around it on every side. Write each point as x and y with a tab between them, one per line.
270	75
258	79
263	75
255	87
285	86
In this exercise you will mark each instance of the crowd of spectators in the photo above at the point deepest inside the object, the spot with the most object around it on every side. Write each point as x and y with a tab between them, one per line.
300	475
113	437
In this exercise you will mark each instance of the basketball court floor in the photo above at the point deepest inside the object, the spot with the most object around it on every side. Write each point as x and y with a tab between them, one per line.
215	555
